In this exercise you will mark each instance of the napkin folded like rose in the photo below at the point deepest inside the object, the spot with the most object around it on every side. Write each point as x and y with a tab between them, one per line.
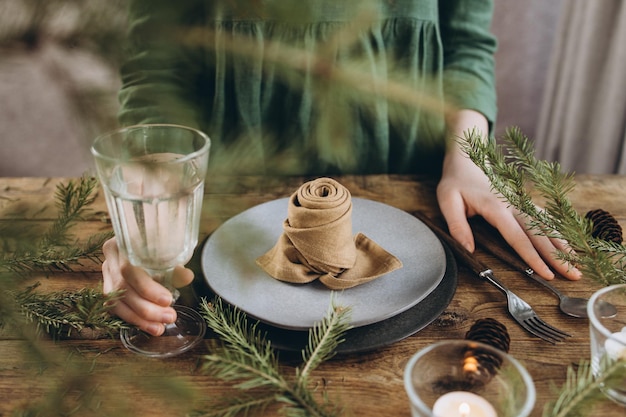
317	241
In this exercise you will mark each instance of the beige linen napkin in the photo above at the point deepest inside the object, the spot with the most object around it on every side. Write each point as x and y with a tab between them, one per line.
317	241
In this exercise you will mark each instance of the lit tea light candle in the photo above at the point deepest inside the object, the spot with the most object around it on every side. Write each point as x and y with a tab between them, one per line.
463	404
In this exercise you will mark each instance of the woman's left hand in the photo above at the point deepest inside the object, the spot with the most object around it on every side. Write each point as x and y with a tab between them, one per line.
464	191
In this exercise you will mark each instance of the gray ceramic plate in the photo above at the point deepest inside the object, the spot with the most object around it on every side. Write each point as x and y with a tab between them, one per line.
228	263
380	334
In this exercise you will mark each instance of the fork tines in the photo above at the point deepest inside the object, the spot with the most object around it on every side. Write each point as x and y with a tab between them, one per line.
543	330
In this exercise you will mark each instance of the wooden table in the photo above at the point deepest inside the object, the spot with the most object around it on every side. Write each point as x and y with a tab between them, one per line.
366	384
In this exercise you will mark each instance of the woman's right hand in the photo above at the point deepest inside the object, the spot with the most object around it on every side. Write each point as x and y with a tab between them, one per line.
145	303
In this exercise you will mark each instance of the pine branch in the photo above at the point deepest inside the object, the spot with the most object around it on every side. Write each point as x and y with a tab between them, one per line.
55	259
514	171
245	355
582	390
65	312
72	200
56	250
62	313
247	358
323	341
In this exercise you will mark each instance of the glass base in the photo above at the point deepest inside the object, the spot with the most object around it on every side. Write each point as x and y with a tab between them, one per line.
186	332
615	394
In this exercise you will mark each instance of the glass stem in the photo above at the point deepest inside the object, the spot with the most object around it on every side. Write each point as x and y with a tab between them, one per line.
164	277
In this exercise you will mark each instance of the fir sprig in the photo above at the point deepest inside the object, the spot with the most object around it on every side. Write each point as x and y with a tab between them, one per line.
514	172
55	259
56	250
69	313
582	389
247	359
323	342
72	201
62	313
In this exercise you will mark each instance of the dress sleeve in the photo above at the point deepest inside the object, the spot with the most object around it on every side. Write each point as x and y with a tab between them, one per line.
469	47
159	70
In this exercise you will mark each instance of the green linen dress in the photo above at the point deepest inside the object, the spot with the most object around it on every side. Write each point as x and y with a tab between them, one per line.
316	87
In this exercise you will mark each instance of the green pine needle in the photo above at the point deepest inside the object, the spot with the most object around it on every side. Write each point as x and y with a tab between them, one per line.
323	340
55	250
582	390
72	200
245	355
64	313
68	313
247	359
514	172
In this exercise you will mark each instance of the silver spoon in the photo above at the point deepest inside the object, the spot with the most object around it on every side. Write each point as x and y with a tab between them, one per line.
572	306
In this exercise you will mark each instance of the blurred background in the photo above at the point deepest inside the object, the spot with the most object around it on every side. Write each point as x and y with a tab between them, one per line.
59	80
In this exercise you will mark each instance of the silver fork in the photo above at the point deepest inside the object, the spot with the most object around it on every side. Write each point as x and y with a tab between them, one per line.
518	308
524	313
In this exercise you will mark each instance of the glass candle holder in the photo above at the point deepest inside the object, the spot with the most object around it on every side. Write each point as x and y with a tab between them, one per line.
608	340
464	378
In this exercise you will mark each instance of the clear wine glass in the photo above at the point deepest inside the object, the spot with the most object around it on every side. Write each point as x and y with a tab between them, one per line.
153	180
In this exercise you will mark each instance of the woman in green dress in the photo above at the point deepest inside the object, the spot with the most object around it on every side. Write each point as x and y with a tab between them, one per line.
321	87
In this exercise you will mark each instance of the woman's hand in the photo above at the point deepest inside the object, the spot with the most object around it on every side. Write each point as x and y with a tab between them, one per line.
145	303
464	191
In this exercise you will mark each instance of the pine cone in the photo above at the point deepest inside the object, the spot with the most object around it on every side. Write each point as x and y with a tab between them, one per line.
490	332
479	365
605	226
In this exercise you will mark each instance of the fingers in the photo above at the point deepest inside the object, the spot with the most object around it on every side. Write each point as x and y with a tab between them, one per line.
110	248
547	248
533	249
145	303
141	284
537	251
128	314
452	208
182	276
133	307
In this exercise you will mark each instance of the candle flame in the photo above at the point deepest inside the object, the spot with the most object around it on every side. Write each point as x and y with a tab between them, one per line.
470	365
464	410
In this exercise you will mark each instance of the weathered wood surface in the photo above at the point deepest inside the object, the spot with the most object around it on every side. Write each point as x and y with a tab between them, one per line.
367	384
